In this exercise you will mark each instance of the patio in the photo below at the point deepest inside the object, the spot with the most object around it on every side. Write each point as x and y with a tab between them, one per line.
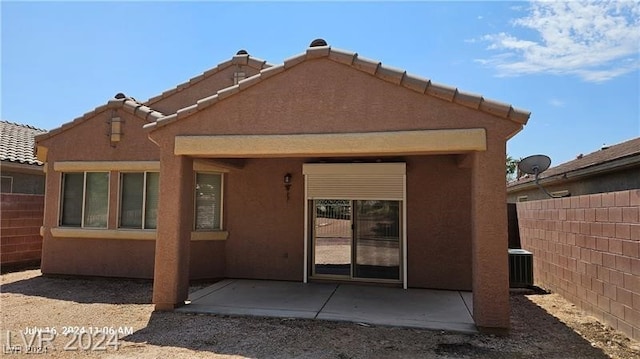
416	308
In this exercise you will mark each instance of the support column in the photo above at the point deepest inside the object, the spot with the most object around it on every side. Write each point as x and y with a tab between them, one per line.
491	306
175	219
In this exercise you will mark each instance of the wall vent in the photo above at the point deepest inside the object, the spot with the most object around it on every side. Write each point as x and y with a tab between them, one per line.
520	268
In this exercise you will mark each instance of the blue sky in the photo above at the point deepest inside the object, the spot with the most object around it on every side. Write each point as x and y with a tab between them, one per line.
574	65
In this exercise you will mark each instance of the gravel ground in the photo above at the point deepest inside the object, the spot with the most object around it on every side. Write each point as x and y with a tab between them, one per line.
543	326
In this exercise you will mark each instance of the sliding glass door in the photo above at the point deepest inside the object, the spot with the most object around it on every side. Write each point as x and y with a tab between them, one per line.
332	238
377	240
356	239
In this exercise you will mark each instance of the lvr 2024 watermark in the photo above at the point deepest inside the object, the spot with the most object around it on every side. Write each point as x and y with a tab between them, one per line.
40	340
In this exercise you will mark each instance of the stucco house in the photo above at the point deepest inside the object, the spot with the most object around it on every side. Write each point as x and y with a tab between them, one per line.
328	167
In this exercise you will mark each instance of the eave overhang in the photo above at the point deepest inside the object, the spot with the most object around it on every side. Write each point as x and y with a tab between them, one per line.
443	141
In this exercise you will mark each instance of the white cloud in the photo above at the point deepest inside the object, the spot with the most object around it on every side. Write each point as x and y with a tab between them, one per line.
556	102
594	40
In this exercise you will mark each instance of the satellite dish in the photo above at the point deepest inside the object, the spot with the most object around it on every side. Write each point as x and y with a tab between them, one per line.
535	164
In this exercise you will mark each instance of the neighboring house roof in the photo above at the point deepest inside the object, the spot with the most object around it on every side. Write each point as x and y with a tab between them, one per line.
375	68
17	143
608	158
120	102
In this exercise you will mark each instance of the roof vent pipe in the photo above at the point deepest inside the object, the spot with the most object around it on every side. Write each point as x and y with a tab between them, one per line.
318	43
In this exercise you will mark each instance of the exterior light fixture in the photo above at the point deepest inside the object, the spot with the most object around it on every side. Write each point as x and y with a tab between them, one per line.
287	183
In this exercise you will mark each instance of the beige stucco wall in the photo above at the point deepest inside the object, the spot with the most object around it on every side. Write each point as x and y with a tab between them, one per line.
89	141
266	232
322	96
439	223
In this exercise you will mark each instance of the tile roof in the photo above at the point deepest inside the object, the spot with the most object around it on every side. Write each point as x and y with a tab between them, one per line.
625	150
128	104
375	68
239	59
17	143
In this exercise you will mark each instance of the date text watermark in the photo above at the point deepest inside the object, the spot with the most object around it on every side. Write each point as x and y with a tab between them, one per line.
40	340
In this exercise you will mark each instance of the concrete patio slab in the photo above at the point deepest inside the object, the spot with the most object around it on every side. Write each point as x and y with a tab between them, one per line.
262	298
417	308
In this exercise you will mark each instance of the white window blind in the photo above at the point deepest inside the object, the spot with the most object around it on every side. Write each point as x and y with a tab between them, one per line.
208	201
139	200
85	199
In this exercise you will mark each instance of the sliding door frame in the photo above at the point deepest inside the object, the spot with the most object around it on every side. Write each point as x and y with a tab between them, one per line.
397	169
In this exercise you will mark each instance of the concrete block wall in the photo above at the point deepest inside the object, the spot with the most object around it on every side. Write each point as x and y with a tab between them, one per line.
587	249
20	222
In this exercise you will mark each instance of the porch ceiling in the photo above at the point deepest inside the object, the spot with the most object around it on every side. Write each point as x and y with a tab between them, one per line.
332	144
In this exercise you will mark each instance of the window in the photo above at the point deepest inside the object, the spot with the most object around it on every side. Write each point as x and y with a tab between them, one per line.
139	200
7	184
85	199
208	201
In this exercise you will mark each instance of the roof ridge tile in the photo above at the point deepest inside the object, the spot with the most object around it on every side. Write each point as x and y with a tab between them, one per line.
227	91
240	59
468	99
519	115
495	107
249	81
441	91
203	103
342	56
196	79
257	63
186	111
271	71
318	52
294	60
415	83
367	65
390	74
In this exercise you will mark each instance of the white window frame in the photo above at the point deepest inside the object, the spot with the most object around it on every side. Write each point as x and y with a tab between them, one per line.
144	200
84	197
195	207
